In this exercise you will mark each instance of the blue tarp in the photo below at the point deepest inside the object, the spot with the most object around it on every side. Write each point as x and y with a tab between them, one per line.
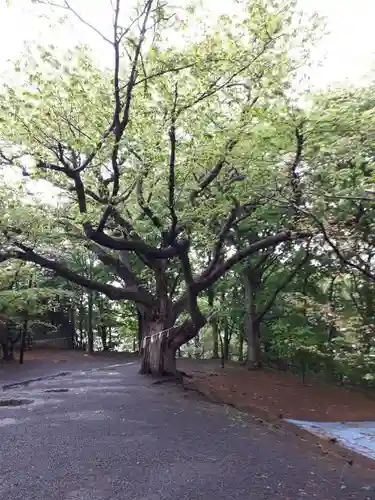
357	436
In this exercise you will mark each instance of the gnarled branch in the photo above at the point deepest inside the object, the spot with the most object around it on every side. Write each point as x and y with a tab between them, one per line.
112	292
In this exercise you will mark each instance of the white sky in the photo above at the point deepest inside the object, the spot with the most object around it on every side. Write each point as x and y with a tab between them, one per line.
347	53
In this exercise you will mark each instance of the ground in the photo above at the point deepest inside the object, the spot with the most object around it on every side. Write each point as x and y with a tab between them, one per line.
280	394
102	432
273	396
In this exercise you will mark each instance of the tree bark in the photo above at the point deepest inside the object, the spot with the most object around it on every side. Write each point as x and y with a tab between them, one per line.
240	346
160	344
90	329
140	329
7	352
23	340
214	324
226	342
215	339
158	357
81	320
72	317
197	347
251	329
103	335
8	337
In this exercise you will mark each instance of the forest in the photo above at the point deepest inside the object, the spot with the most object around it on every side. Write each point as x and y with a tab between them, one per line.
190	198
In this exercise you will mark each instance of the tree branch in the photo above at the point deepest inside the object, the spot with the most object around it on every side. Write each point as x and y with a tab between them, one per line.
214	172
61	270
172	173
205	281
280	287
295	178
221	239
192	296
86	23
145	207
114	263
335	248
132	245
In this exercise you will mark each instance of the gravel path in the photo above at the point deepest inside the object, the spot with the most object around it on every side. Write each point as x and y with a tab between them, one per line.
106	433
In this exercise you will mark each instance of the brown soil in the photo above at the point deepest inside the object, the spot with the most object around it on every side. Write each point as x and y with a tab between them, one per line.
279	394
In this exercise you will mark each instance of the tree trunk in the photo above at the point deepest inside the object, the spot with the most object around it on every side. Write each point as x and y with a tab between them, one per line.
110	337
215	338
140	329
254	352
158	357
103	335
222	354
251	329
81	316
7	353
72	319
214	325
240	346
23	340
90	329
197	349
160	336
11	338
160	344
226	340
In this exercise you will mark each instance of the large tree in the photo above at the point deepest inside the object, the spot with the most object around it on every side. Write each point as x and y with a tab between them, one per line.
163	158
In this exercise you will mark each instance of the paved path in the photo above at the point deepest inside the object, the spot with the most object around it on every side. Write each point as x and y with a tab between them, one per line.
109	434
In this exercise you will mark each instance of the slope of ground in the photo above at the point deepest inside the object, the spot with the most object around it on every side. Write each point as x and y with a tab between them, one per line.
273	396
280	394
107	433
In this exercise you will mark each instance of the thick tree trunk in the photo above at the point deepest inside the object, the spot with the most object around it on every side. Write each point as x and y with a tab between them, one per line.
158	356
161	338
159	347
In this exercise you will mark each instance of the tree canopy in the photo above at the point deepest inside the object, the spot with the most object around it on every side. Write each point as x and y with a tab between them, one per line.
189	160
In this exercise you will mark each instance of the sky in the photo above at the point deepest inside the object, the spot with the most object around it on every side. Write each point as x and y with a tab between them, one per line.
347	53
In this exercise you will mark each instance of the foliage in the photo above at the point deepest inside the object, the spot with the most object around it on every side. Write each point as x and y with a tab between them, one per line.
191	189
